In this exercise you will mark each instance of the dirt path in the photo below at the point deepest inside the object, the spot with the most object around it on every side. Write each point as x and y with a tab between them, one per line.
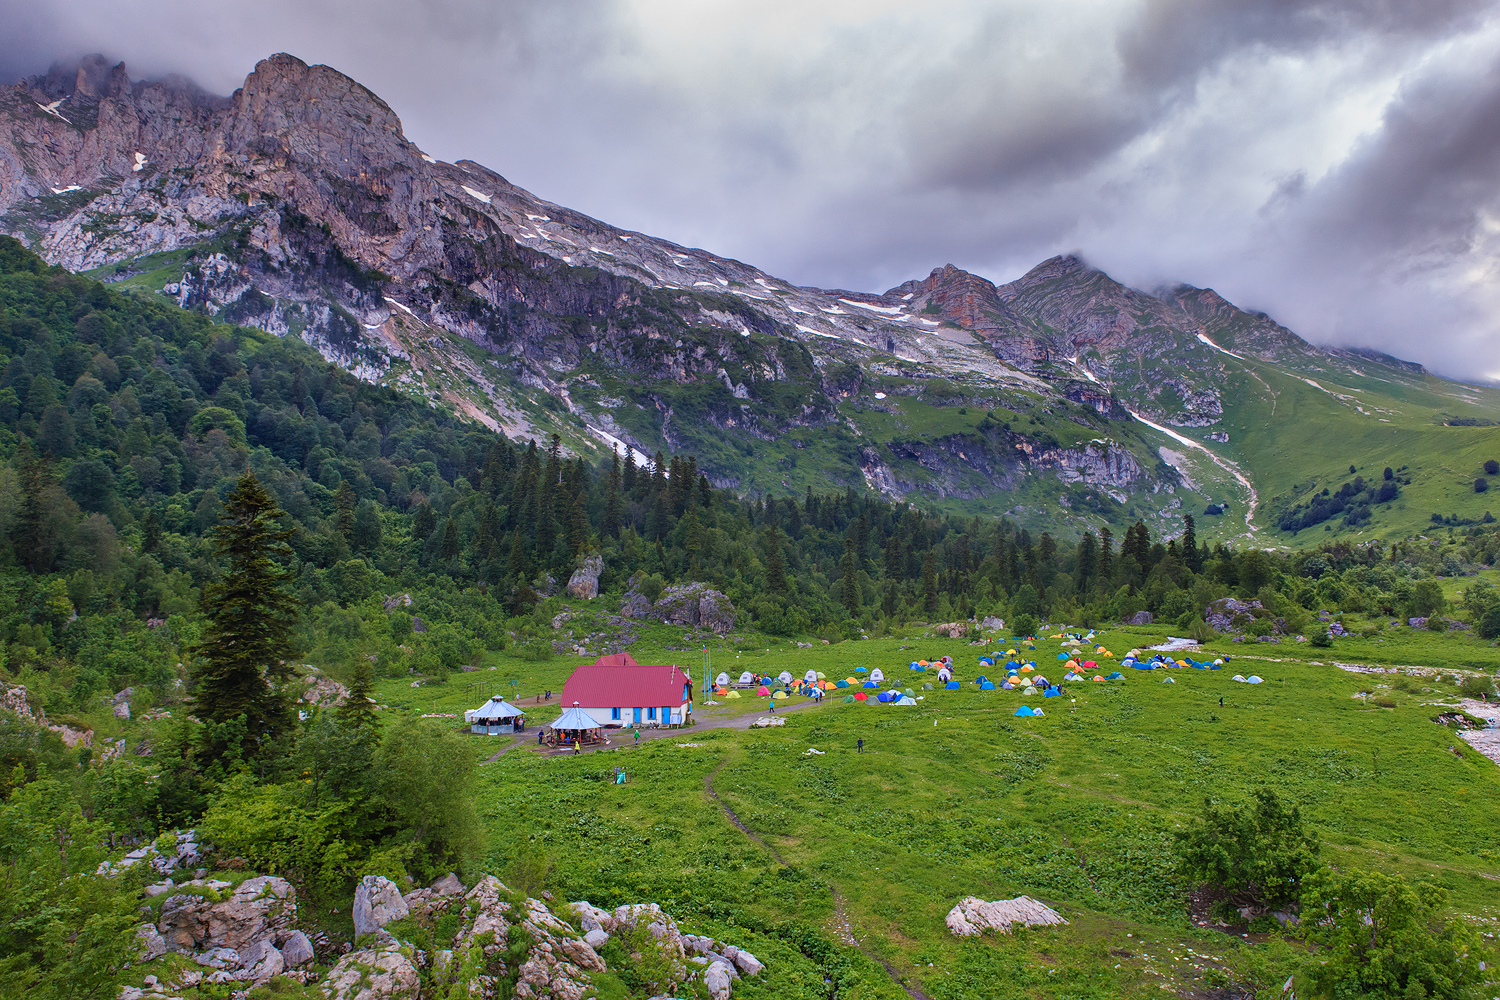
621	738
845	930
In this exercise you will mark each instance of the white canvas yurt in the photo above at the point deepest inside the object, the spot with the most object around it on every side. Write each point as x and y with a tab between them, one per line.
496	717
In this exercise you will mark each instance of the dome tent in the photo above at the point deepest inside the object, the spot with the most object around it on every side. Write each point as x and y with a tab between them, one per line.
952	686
721	680
784	677
877	674
763	692
747	678
1025	711
810	677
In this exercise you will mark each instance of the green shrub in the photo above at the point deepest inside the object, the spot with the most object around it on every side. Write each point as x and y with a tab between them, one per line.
1256	853
1477	687
1320	638
1382	936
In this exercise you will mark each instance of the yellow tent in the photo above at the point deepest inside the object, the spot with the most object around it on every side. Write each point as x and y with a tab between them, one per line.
732	694
778	694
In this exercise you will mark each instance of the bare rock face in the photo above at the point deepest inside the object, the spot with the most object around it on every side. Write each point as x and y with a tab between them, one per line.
153	945
259	908
716	978
584	583
384	972
377	902
262	961
694	604
559	960
296	949
324	692
974	916
953	630
489	904
15	698
1139	618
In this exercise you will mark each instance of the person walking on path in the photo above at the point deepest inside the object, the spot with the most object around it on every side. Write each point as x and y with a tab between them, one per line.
576	749
637	734
860	744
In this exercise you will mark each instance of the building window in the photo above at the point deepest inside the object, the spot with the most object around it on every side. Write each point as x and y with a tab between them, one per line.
614	714
651	713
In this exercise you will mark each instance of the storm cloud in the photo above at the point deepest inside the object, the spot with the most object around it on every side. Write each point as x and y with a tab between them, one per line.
1334	163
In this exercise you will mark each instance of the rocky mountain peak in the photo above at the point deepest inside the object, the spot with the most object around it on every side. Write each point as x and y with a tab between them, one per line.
284	94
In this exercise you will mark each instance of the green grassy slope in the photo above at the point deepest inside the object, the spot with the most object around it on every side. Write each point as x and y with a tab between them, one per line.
1295	439
958	797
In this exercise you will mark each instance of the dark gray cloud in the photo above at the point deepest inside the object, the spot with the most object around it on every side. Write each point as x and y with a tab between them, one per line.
1332	162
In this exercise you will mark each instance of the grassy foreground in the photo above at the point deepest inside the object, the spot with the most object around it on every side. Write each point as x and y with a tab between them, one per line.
958	797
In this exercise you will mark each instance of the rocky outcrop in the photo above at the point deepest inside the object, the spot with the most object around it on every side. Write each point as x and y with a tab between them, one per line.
178	849
324	692
14	697
377	902
383	972
693	605
202	918
974	916
1097	463
584	583
1231	615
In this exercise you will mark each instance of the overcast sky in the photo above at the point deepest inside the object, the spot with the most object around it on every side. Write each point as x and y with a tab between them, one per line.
1336	163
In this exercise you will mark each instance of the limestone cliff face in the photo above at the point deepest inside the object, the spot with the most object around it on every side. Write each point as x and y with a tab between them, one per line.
298	205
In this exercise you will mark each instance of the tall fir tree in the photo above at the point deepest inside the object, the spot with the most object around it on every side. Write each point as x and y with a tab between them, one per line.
611	526
929	584
775	561
343	511
1191	557
851	579
32	541
358	709
448	546
243	664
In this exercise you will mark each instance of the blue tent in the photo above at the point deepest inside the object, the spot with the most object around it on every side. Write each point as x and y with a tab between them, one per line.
870	684
1216	666
952	685
1025	710
1116	676
915	665
986	686
1007	686
1062	656
1144	666
985	660
1052	693
981	678
861	670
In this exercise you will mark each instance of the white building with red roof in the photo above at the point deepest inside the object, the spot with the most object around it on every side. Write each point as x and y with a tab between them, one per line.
617	691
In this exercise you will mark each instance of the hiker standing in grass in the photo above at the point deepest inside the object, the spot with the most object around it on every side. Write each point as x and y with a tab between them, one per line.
859	745
637	734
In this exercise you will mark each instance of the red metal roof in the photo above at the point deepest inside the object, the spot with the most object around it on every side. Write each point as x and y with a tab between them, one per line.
611	683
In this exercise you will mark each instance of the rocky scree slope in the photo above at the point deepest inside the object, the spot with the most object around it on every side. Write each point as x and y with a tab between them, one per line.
298	205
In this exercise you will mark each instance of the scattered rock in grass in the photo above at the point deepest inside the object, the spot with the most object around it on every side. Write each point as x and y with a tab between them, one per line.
974	916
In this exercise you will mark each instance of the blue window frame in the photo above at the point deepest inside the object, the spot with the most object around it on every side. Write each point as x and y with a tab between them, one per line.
614	715
651	713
